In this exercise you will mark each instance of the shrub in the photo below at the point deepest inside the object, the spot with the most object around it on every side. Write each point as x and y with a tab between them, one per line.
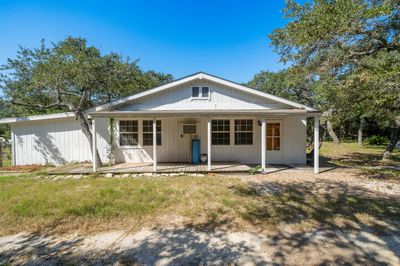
376	140
255	169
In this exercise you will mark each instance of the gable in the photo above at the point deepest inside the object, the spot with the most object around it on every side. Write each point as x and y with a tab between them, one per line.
180	98
176	95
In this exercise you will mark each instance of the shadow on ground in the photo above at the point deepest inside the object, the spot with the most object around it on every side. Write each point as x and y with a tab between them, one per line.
346	218
338	223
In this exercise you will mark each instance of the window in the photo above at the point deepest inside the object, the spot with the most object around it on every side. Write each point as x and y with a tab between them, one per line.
128	132
148	132
273	136
205	92
244	132
195	92
220	132
189	129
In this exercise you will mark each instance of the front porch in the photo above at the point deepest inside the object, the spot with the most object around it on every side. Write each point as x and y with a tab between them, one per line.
224	136
138	168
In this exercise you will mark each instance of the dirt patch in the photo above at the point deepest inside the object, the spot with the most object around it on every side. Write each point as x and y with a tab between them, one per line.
183	246
22	168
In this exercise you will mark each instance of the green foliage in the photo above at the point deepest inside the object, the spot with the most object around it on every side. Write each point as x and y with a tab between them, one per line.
376	140
351	51
255	170
71	75
288	84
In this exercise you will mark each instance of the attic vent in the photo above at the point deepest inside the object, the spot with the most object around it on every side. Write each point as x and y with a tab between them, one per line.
189	129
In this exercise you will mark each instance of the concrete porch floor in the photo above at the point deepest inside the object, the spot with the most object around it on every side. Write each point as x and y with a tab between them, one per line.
223	167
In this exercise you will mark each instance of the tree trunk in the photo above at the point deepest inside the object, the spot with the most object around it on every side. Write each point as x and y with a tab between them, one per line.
394	137
331	132
86	130
360	131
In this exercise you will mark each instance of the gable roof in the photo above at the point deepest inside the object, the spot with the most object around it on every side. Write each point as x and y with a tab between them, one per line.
200	76
36	117
172	84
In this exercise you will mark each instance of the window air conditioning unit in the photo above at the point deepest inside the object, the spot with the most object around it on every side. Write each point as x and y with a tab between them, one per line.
189	129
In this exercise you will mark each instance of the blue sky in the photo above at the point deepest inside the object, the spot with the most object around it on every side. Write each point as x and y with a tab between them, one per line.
224	38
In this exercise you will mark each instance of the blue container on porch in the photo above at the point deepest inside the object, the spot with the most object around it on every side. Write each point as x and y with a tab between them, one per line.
195	151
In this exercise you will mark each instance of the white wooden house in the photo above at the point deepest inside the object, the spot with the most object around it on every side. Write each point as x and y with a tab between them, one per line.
232	122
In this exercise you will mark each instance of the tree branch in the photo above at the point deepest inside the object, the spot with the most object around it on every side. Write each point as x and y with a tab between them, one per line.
39	106
83	97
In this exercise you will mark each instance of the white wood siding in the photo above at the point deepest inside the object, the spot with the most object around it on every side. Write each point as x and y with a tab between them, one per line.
176	148
221	98
294	140
57	141
61	141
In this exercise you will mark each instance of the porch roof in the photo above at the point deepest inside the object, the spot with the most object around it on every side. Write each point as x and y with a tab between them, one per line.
206	112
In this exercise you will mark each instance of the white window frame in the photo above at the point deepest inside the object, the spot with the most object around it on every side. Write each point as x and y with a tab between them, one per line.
230	132
119	133
200	97
241	131
159	132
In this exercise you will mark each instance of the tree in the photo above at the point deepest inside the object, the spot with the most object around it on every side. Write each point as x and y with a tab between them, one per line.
288	84
350	47
72	76
295	85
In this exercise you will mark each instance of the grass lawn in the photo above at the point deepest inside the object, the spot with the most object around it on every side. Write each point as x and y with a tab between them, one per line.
96	204
366	159
30	203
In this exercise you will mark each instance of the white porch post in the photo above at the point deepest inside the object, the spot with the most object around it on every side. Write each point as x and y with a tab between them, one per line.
13	147
263	143
94	143
316	145
154	145
209	145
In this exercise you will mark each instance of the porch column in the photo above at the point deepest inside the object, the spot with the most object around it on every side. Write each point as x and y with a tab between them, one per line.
209	145
263	143
94	143
13	147
316	145
154	145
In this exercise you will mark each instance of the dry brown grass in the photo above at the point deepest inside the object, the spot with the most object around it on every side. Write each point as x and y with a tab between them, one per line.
92	204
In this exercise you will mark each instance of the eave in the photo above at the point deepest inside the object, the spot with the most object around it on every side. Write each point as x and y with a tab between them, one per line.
204	113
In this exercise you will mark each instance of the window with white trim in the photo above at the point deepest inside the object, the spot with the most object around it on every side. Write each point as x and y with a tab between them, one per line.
205	92
244	132
220	132
128	133
200	93
148	132
195	92
274	136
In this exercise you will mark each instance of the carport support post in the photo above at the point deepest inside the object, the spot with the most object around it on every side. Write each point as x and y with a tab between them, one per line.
316	145
94	143
263	143
154	145
209	145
